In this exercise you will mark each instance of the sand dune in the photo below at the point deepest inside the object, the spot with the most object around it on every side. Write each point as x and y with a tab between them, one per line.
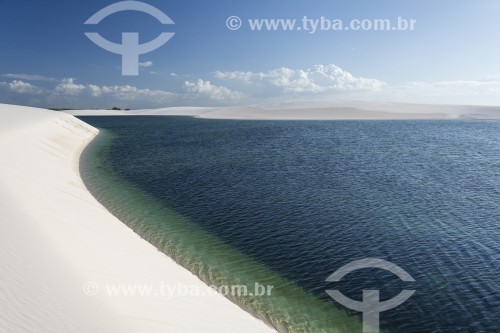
61	250
321	110
173	111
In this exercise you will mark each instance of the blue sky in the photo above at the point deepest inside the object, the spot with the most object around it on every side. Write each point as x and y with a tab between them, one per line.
450	57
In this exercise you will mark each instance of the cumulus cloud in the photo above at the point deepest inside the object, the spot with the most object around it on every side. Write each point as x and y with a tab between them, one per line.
206	88
239	75
240	87
330	81
247	87
21	87
319	79
72	94
69	87
131	93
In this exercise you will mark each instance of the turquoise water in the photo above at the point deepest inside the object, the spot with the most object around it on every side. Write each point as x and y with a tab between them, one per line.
288	309
288	203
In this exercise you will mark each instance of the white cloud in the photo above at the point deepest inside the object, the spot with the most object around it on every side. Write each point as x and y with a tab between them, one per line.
244	87
206	88
146	64
127	92
237	75
316	80
131	93
69	87
94	90
326	82
70	93
21	87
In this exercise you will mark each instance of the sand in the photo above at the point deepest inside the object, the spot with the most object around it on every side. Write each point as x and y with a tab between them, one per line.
320	110
61	250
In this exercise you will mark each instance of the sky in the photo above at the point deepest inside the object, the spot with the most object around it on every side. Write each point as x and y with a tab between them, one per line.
450	56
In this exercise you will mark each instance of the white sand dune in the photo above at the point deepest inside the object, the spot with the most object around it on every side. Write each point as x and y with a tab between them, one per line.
173	111
321	110
55	238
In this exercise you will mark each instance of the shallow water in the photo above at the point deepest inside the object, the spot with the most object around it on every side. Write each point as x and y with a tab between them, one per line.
288	202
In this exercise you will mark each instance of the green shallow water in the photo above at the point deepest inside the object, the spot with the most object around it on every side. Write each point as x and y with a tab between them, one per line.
288	309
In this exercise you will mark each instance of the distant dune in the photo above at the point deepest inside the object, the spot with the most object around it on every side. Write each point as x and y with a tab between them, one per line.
319	110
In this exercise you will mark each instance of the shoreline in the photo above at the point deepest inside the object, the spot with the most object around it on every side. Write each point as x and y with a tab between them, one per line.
57	240
220	264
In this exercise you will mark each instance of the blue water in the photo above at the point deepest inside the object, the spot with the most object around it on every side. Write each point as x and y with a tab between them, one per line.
292	201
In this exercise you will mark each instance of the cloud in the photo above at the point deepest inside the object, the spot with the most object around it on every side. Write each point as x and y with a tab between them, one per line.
69	87
70	93
28	77
240	76
218	93
320	82
146	64
330	81
319	79
131	93
21	87
94	90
